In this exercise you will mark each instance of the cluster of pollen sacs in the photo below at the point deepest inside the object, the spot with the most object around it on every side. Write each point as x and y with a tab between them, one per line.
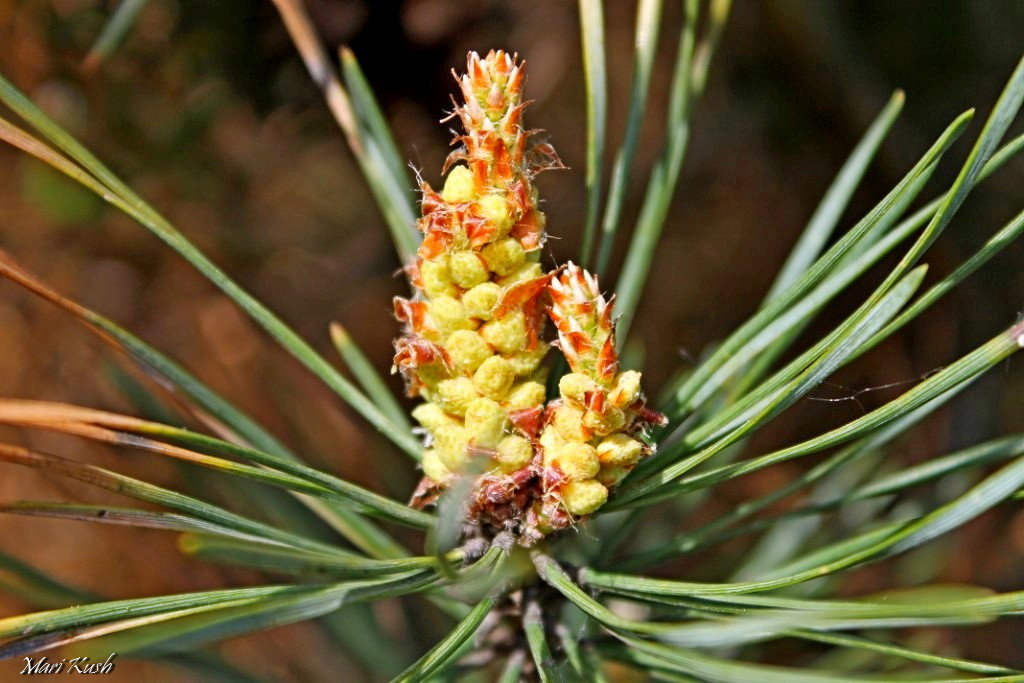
587	444
473	346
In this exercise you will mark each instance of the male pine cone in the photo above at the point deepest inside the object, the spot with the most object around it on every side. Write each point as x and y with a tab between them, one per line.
473	346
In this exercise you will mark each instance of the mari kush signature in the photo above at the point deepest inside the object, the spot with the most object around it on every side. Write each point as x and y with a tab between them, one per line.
74	665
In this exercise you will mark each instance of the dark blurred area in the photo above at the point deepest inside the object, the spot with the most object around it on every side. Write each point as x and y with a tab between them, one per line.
207	111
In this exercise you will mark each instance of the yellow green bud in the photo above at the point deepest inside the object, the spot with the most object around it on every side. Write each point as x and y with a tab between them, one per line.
525	395
574	386
494	377
432	416
467	269
436	278
485	422
433	467
583	497
525	362
449	315
527	271
568	420
550	440
610	475
577	461
504	257
451	444
609	420
514	453
455	395
627	388
430	375
467	349
508	335
619	449
481	300
459	187
494	209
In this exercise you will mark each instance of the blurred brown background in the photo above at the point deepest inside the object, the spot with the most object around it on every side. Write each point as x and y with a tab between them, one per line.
207	111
